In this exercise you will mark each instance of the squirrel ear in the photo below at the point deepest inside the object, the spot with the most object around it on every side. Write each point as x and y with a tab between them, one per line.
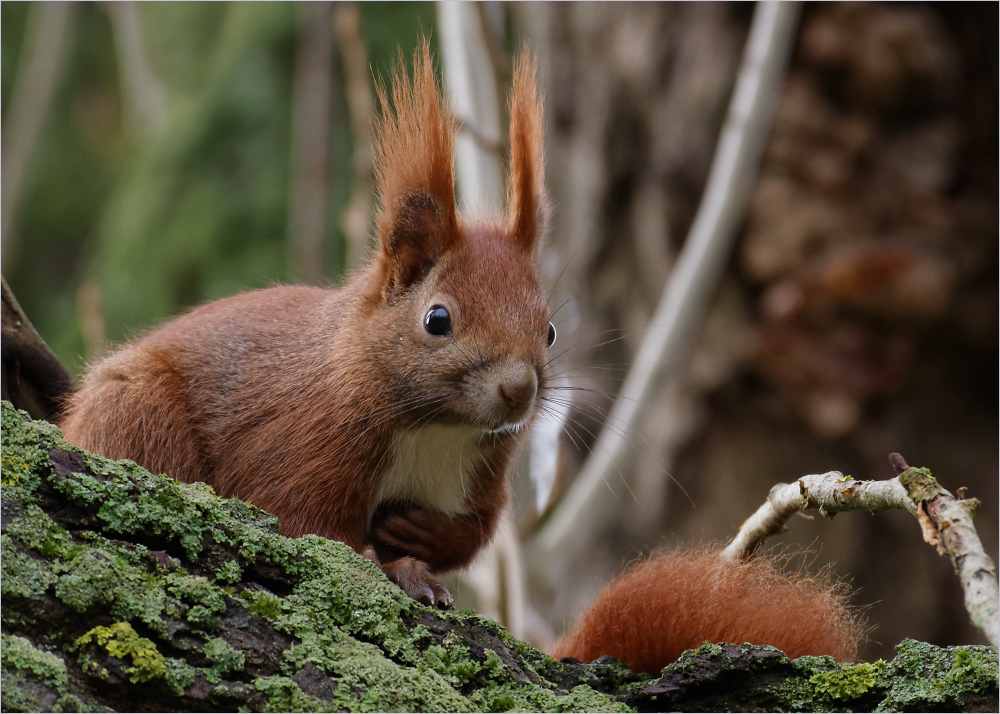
414	156
416	238
527	201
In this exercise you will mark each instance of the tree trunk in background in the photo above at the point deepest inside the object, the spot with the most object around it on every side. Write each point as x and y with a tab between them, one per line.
859	314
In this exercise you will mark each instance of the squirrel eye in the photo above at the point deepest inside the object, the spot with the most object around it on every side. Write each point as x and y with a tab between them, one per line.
552	334
437	321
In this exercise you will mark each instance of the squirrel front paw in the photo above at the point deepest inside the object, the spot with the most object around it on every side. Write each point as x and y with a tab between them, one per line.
418	532
414	577
445	542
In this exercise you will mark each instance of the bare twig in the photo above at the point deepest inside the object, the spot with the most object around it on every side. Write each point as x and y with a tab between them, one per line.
38	71
945	521
690	285
831	493
310	141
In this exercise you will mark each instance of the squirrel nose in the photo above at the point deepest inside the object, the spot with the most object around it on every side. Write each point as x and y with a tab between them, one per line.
517	390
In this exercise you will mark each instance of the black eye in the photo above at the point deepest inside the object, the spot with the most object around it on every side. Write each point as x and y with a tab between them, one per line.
552	334
437	322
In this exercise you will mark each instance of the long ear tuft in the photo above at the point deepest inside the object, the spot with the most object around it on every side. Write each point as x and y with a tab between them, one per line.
527	201
414	160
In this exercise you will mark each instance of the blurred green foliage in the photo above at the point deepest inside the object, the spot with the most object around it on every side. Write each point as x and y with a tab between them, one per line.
197	211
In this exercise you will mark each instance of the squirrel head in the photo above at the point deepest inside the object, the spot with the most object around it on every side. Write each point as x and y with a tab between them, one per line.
461	306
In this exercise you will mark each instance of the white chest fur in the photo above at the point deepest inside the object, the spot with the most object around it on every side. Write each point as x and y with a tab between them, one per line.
433	466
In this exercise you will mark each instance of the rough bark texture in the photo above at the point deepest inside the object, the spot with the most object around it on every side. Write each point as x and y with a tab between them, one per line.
127	591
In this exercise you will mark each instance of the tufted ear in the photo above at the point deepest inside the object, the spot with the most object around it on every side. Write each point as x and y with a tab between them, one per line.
414	159
527	201
418	235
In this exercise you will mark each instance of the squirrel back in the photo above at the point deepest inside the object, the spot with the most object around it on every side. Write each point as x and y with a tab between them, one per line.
676	601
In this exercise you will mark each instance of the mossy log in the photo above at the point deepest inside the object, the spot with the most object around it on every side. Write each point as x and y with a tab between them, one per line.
128	591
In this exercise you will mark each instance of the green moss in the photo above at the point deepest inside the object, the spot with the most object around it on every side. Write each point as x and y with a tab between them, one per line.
13	470
921	676
455	671
121	641
284	695
93	576
20	653
180	675
922	673
230	573
34	529
263	604
223	658
23	575
919	483
21	462
205	600
849	682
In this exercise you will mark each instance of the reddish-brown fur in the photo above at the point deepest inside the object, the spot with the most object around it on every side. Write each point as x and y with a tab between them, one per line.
679	600
296	399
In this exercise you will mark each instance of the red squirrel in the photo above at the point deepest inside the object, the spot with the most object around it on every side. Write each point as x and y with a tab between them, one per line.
385	413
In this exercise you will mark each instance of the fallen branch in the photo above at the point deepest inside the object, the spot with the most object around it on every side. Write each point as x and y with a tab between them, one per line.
946	523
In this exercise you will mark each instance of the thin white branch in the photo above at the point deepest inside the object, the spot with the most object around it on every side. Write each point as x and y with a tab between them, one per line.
688	288
831	493
946	523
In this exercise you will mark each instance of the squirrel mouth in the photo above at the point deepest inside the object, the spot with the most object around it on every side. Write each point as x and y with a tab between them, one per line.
500	428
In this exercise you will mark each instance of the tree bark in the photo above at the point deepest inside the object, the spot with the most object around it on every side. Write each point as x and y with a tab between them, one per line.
132	592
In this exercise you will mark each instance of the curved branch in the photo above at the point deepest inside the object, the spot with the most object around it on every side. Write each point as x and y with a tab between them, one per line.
946	523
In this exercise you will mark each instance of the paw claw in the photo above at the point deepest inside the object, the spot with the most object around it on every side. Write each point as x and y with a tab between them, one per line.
414	578
442	598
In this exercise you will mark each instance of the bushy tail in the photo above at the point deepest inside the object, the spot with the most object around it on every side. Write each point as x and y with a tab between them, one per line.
677	601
